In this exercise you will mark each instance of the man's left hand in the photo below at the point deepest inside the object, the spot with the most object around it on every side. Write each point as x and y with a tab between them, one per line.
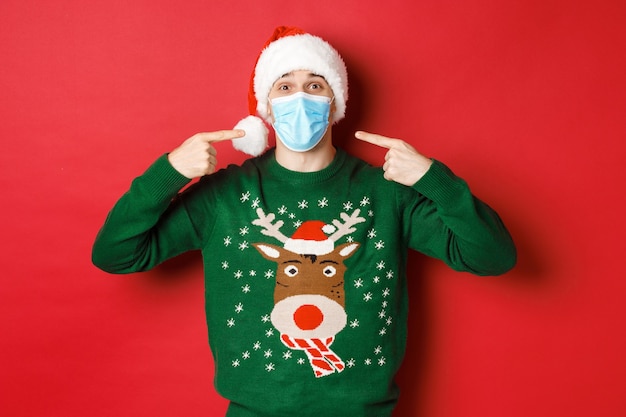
403	164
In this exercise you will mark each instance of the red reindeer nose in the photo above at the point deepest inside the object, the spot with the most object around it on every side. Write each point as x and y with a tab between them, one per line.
308	317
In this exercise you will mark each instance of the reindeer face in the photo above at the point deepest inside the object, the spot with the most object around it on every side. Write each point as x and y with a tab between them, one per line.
309	294
309	274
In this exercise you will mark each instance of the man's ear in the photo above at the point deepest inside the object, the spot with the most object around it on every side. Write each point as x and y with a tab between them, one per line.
270	113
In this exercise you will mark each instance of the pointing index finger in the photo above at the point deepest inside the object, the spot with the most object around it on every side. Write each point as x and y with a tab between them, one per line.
375	139
222	135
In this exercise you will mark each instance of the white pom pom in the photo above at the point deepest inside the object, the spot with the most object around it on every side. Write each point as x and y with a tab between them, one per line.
255	140
328	229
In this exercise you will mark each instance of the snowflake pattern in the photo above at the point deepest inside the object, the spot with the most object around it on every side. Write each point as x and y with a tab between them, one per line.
367	288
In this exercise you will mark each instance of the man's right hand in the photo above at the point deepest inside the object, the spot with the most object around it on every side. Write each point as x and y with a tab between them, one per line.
196	156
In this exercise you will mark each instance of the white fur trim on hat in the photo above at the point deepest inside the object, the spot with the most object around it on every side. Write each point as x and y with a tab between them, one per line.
310	247
255	140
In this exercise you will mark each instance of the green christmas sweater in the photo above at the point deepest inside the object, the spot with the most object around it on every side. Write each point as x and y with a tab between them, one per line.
305	273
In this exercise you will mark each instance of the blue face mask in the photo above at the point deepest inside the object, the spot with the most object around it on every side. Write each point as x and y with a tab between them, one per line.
300	120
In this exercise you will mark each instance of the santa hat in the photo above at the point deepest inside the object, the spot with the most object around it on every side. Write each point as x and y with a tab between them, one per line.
289	49
310	239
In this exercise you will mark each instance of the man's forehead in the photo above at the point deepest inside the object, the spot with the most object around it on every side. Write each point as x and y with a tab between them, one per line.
309	74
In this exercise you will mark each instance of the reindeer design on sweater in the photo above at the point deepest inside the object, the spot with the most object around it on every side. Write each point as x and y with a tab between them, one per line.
309	296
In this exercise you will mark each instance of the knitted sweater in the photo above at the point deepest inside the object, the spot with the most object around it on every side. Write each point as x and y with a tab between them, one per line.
305	288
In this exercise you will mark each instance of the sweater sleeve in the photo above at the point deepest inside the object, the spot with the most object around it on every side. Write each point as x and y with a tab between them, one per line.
147	225
448	222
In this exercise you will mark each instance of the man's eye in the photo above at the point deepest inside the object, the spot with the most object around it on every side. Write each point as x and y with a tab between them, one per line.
291	271
283	88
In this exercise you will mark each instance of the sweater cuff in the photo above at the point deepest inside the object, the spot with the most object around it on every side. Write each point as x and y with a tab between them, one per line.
163	179
440	185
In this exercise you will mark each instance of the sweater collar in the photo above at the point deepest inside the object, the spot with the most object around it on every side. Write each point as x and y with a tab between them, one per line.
295	177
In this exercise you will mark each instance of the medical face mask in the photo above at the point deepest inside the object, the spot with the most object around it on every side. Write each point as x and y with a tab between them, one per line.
300	120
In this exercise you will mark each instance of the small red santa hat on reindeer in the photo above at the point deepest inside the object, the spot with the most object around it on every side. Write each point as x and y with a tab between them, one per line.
310	239
288	49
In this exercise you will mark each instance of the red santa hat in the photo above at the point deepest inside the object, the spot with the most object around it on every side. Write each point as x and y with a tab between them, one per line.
310	239
288	49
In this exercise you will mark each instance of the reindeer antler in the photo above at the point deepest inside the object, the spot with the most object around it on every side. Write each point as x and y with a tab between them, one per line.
346	227
269	229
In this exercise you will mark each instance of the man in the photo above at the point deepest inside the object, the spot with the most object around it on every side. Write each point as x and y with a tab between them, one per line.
304	247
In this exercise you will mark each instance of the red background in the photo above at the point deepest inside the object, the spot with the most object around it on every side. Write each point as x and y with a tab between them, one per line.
524	99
